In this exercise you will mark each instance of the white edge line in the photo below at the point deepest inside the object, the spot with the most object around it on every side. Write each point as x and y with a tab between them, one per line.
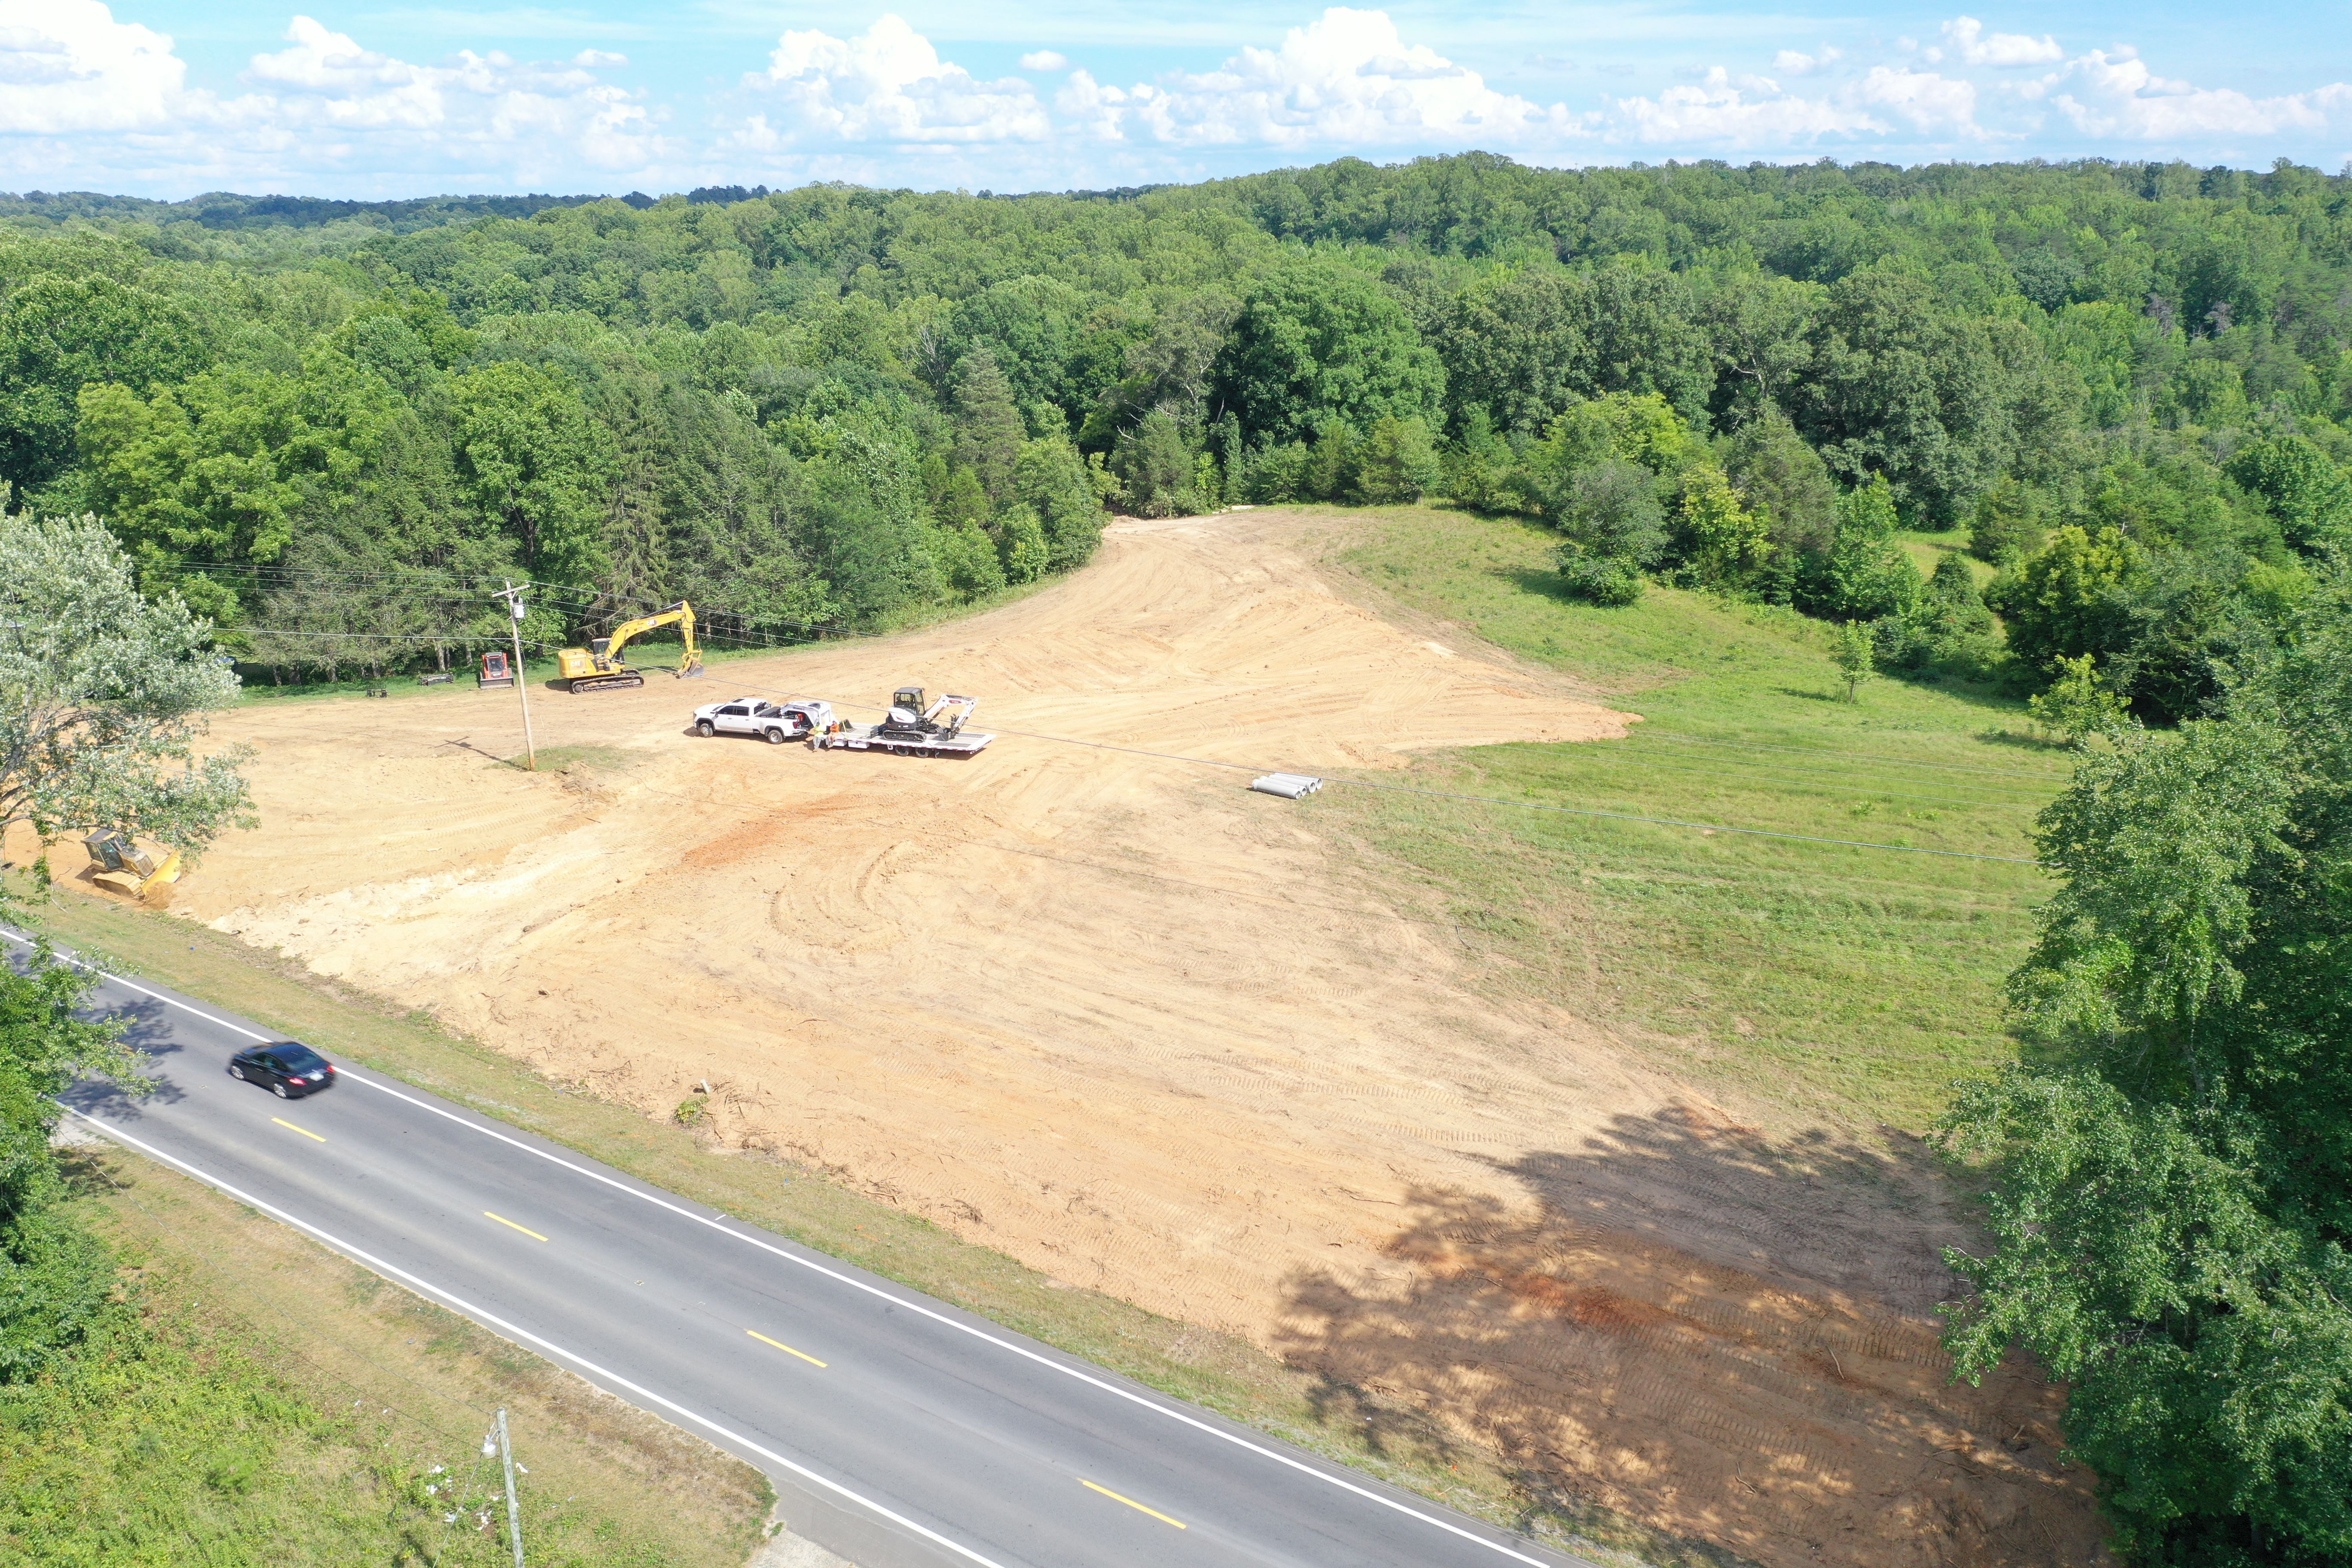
470	1311
1128	1394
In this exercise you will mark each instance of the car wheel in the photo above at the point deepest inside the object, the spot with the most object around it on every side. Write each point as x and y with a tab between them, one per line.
704	728
776	737
234	1070
281	1090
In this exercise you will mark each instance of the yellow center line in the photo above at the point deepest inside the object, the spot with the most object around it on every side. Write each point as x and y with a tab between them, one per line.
1131	1503
291	1128
512	1226
783	1347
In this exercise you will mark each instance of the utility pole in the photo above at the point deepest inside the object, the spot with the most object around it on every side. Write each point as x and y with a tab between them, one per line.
513	596
514	1515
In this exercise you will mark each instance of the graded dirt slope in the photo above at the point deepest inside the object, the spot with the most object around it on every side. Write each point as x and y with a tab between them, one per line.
1129	1022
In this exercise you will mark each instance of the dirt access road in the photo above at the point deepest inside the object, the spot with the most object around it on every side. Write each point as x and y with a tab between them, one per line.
1142	1028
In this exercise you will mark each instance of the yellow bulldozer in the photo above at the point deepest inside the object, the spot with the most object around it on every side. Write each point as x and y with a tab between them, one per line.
120	865
599	665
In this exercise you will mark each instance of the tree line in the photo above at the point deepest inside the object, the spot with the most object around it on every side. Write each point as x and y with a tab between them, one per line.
2170	1163
327	424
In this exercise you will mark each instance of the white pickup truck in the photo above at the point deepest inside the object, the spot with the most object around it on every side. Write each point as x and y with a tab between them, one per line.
774	722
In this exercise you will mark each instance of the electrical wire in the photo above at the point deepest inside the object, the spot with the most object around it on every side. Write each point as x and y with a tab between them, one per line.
1457	796
1842	756
499	636
1955	899
1367	783
1628	759
586	597
1487	800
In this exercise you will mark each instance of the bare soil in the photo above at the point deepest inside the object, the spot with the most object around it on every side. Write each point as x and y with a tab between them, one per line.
1141	1028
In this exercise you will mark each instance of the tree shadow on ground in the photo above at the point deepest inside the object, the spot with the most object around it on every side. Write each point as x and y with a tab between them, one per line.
2015	741
146	1029
1543	582
1725	1335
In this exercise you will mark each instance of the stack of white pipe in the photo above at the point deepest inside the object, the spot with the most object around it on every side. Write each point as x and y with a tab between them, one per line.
1289	786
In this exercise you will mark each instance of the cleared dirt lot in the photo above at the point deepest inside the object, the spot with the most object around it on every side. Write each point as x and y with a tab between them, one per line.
1133	1025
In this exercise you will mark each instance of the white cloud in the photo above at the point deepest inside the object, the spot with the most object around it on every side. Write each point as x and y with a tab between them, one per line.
1751	111
1091	108
1044	60
1968	38
1930	102
68	66
1344	79
326	77
483	107
1788	62
2120	96
888	85
324	105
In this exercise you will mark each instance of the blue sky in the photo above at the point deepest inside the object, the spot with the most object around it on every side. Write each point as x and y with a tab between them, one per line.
169	97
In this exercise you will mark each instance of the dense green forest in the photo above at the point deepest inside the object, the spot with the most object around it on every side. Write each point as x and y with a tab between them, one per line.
330	425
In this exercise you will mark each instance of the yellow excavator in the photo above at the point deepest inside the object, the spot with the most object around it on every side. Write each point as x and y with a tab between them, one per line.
599	665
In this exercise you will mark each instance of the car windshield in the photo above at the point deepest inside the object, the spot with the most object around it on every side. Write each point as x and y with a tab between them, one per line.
298	1058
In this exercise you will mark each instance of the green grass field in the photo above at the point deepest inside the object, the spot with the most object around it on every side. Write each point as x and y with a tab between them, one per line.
1831	980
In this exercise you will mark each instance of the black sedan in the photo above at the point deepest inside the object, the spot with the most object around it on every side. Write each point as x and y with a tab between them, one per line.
289	1068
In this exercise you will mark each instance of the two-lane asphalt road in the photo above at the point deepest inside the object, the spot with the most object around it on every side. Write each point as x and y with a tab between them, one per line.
900	1430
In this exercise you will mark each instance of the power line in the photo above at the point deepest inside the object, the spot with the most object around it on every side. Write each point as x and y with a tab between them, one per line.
1458	796
586	599
1630	760
712	635
395	636
1491	800
1844	756
1847	885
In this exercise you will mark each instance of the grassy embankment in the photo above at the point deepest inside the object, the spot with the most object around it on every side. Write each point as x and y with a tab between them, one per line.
1377	1434
256	1399
1831	980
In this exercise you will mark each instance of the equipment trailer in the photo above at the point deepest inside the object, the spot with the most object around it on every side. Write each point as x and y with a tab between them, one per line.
912	729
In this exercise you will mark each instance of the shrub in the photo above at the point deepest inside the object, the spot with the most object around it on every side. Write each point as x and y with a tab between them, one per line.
1021	545
1398	462
1156	466
1611	512
1607	580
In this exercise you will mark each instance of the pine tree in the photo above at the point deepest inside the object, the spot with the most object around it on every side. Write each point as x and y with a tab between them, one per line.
988	424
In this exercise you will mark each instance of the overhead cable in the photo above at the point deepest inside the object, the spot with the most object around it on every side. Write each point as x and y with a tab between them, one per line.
1844	756
1459	795
1493	800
